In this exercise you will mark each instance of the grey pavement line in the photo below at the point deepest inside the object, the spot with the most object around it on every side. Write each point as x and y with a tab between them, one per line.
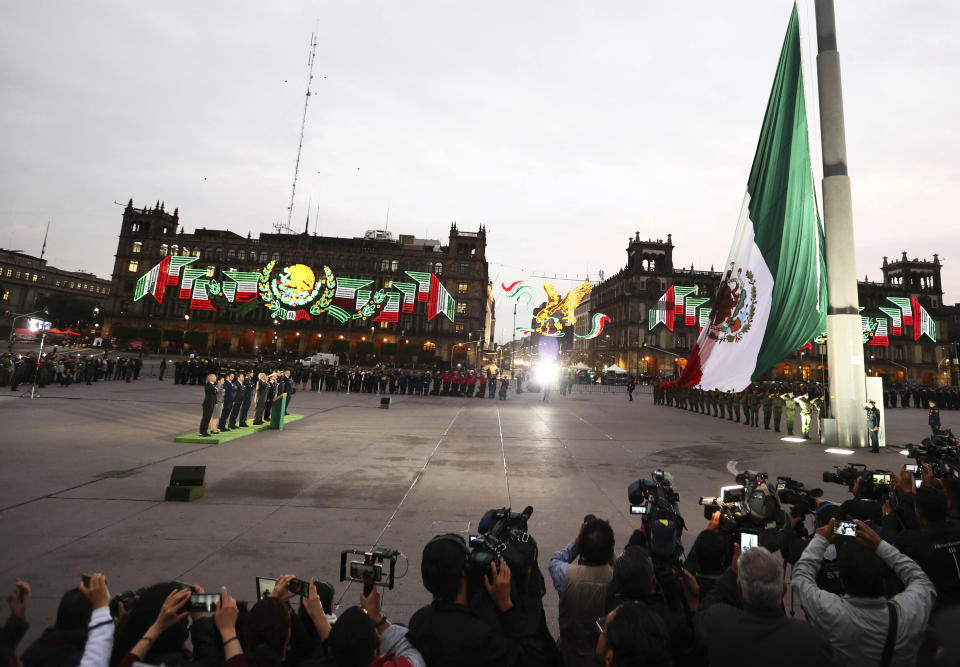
579	465
503	453
416	479
607	436
100	479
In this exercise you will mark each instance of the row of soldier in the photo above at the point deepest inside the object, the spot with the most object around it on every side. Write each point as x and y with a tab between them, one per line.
66	369
775	401
919	396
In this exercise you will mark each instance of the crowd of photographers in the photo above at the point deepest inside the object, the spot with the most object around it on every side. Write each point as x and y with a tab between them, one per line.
876	577
65	369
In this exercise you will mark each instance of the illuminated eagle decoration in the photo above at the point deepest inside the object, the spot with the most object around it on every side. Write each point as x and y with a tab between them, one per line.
557	313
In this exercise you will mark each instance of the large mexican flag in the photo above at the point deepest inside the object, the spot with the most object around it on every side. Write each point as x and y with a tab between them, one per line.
772	298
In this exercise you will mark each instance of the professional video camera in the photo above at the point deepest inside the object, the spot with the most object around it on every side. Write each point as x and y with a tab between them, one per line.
943	459
747	504
369	571
874	484
657	504
793	492
498	529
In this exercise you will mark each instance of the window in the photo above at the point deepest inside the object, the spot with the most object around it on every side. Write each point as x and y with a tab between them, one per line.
276	256
429	346
164	250
231	254
137	247
459	328
253	256
135	227
462	289
131	267
384	265
438	268
461	308
210	271
57	283
428	326
388	284
384	325
464	267
17	275
6	295
263	257
394	265
220	254
196	252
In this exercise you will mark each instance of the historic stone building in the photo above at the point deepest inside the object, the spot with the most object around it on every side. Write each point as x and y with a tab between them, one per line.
657	310
231	313
25	280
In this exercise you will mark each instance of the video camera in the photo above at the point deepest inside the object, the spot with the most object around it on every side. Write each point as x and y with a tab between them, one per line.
369	571
942	457
498	529
794	493
874	484
748	504
656	502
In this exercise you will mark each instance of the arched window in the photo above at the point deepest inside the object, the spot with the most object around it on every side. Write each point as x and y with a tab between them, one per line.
263	257
174	250
394	265
384	265
231	254
438	268
137	247
253	256
219	254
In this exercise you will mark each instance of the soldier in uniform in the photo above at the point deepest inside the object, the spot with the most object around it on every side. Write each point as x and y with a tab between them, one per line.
228	396
735	403
791	408
818	404
767	403
806	411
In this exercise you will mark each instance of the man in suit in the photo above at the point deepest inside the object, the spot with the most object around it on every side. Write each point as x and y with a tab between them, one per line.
237	400
229	395
246	396
263	388
209	400
286	385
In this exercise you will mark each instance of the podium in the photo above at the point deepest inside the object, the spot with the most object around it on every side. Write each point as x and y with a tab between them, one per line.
277	409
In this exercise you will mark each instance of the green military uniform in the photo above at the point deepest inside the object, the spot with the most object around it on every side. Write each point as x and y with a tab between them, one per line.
818	404
767	402
713	401
724	399
806	411
735	401
791	407
777	410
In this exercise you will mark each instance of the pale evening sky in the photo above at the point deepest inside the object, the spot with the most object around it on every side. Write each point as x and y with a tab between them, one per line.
563	127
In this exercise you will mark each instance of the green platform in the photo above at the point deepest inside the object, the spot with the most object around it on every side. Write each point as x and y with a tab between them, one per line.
196	439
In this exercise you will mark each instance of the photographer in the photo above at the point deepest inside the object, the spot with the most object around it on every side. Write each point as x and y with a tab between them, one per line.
62	645
632	636
96	652
634	579
863	627
448	632
582	587
16	626
745	609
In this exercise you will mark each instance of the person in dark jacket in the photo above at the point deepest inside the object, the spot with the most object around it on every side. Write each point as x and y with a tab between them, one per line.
263	389
288	386
743	612
209	401
933	418
449	633
229	394
62	645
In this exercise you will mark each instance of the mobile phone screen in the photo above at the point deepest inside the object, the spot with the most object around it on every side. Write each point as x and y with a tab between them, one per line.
911	467
748	540
205	602
918	483
366	571
881	478
638	509
847	528
265	587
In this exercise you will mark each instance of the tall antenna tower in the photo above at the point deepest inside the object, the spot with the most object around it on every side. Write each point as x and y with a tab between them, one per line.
280	227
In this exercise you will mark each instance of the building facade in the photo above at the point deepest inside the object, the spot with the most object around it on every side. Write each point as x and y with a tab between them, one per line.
26	281
657	310
390	299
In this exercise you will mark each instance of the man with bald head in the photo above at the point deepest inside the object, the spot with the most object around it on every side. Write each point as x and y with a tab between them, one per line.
209	400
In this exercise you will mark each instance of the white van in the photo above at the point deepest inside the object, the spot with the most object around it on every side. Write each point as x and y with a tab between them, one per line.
322	359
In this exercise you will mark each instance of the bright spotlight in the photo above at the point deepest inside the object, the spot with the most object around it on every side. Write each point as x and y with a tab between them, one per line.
842	452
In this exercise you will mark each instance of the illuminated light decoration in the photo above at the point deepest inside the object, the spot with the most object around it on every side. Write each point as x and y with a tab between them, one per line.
704	318
881	337
680	293
867	326
363	298
923	324
423	281
690	306
153	282
200	296
523	293
409	292
599	321
240	286
186	283
663	312
558	312
177	263
391	310
345	295
905	306
329	290
440	301
896	319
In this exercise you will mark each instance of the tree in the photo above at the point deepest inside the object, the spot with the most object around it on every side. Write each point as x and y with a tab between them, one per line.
197	340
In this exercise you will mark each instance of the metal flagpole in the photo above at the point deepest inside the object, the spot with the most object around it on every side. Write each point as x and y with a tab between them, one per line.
844	330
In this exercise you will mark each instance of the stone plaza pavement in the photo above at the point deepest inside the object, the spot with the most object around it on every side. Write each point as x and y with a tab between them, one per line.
83	472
